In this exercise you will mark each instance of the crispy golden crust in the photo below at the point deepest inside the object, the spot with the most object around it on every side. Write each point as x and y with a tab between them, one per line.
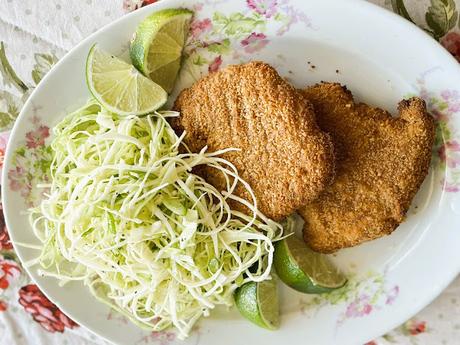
381	163
285	158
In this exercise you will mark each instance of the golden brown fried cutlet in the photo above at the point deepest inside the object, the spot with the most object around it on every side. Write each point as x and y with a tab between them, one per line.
285	157
381	163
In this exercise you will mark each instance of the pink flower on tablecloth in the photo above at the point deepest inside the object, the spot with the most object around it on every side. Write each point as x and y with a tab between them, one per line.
5	243
3	305
415	327
199	27
372	342
266	8
3	142
215	64
131	5
148	2
254	42
359	307
452	43
449	153
9	271
43	310
36	138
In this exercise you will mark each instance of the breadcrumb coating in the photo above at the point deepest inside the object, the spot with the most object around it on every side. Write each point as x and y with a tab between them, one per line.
283	155
381	163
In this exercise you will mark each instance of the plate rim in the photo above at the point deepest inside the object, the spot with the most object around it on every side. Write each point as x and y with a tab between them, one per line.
162	4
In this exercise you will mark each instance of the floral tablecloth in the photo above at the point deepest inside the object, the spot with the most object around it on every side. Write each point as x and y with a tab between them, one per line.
34	35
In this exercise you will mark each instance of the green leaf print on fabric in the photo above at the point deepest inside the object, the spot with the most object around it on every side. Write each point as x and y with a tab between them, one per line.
441	17
399	8
7	72
10	106
43	63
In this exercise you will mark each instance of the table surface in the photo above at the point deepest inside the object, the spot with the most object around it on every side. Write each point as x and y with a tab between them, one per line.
34	35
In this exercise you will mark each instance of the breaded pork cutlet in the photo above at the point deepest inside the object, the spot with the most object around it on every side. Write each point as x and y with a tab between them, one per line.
284	156
381	163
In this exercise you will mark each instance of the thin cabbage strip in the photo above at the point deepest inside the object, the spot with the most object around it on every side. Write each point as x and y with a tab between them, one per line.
126	215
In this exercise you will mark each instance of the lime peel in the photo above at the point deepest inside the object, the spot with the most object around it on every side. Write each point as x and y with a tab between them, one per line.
156	47
300	267
119	87
258	302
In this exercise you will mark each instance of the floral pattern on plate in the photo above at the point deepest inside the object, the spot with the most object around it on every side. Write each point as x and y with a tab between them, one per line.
444	107
358	298
235	36
31	164
11	104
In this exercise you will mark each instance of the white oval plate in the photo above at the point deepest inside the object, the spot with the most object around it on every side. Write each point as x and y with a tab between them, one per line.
381	58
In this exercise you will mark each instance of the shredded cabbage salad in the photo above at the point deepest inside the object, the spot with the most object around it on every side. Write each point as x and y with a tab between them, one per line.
125	214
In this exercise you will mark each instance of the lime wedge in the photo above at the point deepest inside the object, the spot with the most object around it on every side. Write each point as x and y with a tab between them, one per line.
119	87
258	302
156	48
303	269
